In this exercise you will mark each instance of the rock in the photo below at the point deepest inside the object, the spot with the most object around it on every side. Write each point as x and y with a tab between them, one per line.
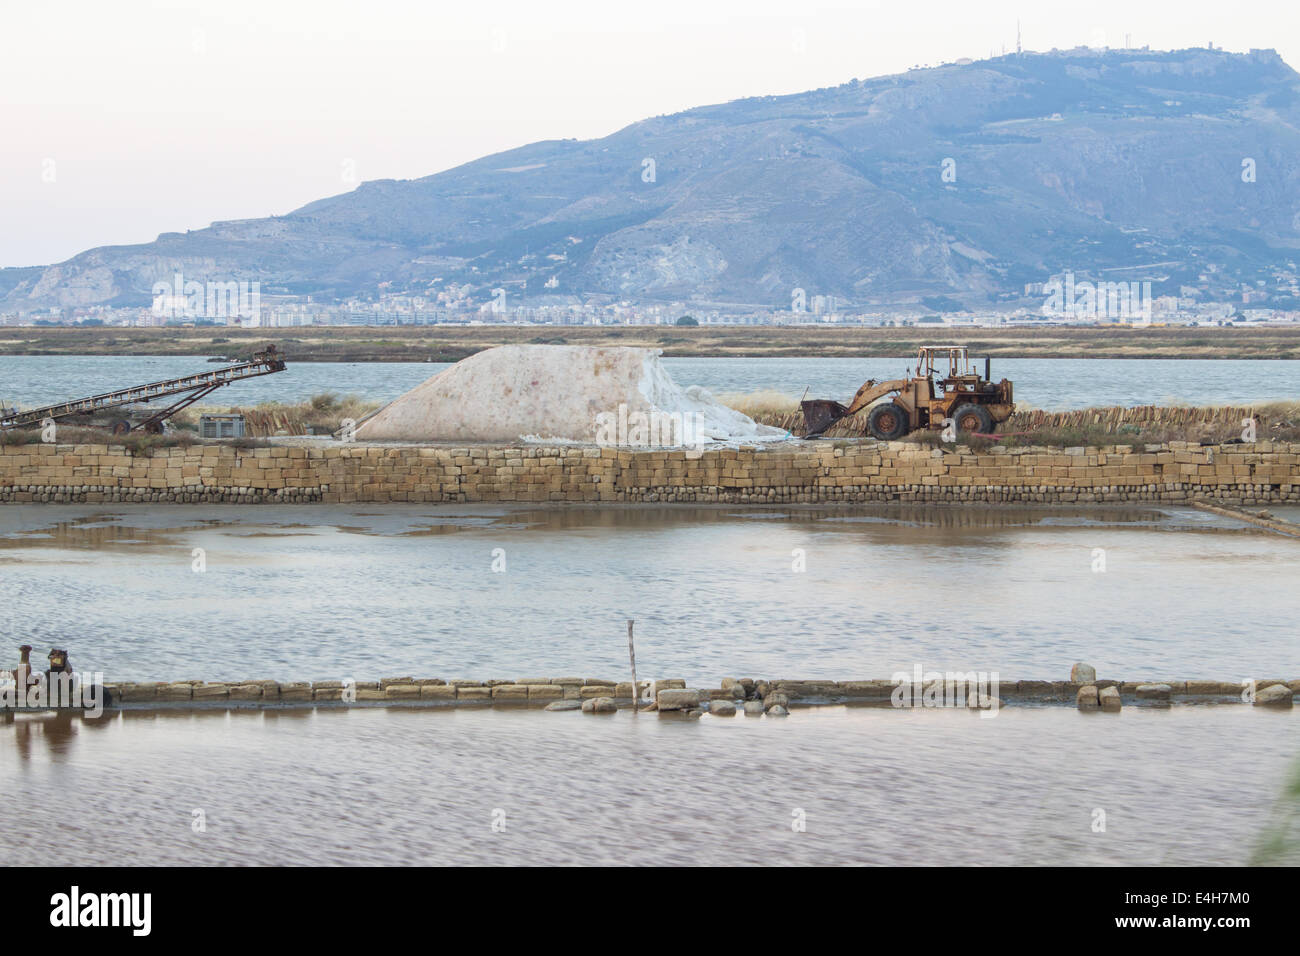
734	688
775	699
564	705
866	689
678	699
1083	674
1153	691
623	689
723	708
1087	698
180	691
1275	695
295	690
753	708
599	705
1110	700
675	684
1213	688
777	710
761	689
1034	688
977	701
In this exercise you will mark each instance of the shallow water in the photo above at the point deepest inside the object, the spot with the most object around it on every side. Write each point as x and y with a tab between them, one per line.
1054	384
372	591
1187	785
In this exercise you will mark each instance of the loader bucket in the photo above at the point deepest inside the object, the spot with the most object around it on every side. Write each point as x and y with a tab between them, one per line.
820	414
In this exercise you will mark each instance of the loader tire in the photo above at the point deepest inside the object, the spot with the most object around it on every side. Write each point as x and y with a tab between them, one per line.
887	422
973	418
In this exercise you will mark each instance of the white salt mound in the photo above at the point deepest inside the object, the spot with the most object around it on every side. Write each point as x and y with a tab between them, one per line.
609	396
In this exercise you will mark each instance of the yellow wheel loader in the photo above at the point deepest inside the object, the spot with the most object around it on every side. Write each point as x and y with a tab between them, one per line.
926	399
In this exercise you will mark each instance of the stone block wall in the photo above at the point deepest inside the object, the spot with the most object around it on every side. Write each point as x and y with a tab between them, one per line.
813	472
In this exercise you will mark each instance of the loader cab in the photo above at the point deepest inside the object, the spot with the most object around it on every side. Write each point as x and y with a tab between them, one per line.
931	358
949	370
946	369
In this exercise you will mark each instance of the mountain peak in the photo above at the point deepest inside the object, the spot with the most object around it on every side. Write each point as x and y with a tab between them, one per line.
967	180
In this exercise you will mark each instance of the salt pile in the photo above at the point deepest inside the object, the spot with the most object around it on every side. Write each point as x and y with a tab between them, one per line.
608	396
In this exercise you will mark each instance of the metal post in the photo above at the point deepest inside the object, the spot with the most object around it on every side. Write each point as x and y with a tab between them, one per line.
631	654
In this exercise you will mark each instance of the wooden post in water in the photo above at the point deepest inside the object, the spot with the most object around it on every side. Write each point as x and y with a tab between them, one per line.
631	654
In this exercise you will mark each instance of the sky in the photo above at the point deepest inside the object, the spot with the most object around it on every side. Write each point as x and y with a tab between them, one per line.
120	120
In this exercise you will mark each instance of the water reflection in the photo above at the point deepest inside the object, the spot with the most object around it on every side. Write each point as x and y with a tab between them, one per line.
1182	786
296	593
54	734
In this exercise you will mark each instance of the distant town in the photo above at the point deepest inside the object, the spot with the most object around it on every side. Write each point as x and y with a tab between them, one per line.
1063	299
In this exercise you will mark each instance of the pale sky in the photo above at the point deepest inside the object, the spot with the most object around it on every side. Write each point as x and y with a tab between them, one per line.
120	120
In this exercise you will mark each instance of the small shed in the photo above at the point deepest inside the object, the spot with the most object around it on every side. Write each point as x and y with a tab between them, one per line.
221	426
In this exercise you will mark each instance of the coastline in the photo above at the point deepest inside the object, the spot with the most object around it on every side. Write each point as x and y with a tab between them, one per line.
446	343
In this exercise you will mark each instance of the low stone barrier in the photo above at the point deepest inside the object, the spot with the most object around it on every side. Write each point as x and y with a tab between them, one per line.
794	472
667	695
1262	519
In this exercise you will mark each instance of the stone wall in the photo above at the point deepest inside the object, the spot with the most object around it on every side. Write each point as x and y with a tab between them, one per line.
553	692
819	471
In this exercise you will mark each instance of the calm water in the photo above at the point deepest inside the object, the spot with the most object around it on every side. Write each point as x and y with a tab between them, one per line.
1187	785
317	593
1057	384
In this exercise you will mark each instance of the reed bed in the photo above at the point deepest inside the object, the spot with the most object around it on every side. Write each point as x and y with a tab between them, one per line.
320	414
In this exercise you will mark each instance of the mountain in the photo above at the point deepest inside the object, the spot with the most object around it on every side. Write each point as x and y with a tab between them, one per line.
1132	161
